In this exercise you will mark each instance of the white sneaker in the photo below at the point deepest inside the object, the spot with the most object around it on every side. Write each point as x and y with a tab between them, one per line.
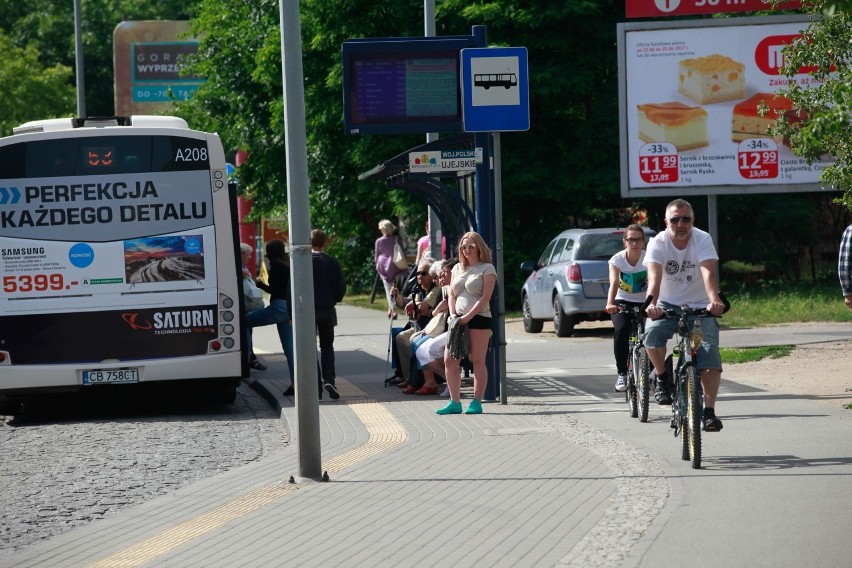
446	391
621	383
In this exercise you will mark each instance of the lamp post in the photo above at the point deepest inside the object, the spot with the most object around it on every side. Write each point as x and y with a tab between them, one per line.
78	50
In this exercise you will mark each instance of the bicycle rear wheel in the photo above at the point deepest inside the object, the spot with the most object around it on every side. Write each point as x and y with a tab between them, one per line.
643	383
694	414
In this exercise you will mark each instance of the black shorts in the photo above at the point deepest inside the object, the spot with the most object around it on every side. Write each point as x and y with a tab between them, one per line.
479	322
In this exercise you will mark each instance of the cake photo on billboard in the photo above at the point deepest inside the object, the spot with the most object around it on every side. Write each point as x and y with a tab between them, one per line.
682	125
712	79
747	123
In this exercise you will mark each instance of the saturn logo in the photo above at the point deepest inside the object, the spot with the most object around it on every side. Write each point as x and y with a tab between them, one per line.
130	318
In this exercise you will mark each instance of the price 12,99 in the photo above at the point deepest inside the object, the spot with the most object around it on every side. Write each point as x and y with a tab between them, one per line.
658	163
34	283
757	158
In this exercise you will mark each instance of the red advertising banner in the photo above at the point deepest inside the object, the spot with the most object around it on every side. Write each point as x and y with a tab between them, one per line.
661	8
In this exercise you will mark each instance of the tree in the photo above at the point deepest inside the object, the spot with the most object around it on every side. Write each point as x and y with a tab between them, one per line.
30	89
562	172
48	27
823	121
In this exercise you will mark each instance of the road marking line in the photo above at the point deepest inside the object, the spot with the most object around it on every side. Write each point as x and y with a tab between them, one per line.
385	433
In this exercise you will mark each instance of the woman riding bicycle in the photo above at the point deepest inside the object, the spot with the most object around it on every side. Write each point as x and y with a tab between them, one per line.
628	283
681	265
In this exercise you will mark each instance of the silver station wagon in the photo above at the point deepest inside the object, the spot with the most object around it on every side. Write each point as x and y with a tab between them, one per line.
570	280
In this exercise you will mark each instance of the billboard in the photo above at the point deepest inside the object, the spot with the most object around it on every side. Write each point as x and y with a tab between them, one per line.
689	93
662	8
147	66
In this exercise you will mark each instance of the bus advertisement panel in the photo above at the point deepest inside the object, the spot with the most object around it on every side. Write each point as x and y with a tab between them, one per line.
117	252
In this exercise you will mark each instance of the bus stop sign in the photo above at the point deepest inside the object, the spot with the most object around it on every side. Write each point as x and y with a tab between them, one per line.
495	89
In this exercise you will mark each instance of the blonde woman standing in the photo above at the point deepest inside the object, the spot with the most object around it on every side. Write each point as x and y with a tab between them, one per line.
388	271
473	281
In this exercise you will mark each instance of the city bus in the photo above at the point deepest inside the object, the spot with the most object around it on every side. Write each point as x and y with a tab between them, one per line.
118	259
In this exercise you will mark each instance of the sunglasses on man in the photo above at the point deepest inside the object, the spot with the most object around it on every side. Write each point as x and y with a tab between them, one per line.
676	220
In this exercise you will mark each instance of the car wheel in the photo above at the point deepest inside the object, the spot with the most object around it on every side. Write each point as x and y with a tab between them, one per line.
531	325
563	324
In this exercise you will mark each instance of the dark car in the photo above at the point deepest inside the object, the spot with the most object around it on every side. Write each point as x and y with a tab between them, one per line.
570	281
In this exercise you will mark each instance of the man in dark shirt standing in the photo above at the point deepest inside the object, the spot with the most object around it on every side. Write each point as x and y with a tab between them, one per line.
329	288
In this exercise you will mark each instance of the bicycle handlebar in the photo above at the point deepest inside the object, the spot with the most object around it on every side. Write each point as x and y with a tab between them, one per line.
622	305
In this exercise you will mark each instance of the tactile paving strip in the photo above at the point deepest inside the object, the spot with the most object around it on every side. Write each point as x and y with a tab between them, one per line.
384	433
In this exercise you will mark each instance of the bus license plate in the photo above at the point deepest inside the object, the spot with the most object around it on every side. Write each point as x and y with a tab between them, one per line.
103	376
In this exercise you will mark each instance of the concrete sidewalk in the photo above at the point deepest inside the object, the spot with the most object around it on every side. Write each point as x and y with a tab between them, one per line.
525	484
407	487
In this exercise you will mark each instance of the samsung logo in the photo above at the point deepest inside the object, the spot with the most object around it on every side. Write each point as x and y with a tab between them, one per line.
22	251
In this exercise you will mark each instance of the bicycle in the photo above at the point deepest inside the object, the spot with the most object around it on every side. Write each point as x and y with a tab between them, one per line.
688	399
638	365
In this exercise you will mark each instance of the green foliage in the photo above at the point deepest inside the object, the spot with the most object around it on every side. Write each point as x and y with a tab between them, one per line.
30	90
752	354
243	101
822	125
773	301
48	26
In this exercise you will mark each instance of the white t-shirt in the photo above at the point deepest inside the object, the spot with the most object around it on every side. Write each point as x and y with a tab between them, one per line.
681	278
467	285
632	280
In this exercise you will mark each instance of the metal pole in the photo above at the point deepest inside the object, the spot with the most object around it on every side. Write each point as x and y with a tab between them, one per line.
485	226
434	222
500	329
301	265
78	49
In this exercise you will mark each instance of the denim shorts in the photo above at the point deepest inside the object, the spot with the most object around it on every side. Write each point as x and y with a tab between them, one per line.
658	332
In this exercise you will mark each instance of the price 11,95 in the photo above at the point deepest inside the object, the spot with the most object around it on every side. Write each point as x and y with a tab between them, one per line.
18	283
658	163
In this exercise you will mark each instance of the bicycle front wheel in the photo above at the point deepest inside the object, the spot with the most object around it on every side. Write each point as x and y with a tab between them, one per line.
694	412
643	383
631	382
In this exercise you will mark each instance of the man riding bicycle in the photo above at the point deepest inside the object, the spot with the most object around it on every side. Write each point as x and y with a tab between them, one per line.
681	265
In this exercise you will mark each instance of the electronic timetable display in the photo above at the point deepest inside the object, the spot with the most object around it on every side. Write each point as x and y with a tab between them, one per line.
402	85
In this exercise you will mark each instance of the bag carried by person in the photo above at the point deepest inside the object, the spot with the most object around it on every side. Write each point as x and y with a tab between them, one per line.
437	325
253	296
458	340
399	256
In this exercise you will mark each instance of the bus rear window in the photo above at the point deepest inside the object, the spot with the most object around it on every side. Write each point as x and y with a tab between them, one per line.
95	155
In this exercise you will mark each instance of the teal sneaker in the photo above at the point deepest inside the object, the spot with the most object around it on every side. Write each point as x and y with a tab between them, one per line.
450	408
475	407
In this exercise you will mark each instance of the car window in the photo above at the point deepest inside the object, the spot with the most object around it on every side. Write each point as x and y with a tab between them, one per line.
545	256
600	247
557	250
566	251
